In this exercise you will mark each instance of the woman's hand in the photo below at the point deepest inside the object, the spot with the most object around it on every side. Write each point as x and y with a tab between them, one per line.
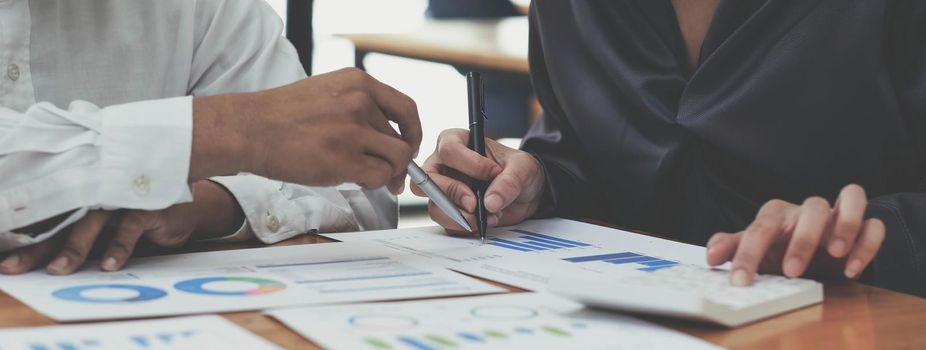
794	239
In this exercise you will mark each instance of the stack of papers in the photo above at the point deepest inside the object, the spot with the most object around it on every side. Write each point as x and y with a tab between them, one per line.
188	333
368	266
527	255
512	321
240	280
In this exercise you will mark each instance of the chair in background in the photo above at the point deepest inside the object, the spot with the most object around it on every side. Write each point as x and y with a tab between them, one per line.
299	30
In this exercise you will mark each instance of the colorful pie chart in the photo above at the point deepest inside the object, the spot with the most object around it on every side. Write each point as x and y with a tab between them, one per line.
109	293
230	286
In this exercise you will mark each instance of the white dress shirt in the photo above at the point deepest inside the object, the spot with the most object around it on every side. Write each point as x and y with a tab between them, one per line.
96	112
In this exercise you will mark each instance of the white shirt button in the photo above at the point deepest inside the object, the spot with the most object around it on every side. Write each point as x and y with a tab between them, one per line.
142	185
12	71
273	223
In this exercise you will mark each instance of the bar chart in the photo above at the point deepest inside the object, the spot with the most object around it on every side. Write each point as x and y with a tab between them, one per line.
643	263
527	241
479	338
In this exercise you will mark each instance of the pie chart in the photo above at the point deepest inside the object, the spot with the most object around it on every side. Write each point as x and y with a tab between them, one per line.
230	286
109	293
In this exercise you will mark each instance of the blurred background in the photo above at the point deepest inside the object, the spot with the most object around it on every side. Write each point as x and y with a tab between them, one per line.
423	48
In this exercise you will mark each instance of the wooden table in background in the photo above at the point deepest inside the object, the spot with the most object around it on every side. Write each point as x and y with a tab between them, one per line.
852	316
497	45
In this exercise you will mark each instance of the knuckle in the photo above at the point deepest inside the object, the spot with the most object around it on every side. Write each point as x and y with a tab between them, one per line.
775	205
73	253
448	151
353	74
803	245
455	191
745	259
847	225
455	133
356	104
817	203
121	246
410	104
762	226
508	184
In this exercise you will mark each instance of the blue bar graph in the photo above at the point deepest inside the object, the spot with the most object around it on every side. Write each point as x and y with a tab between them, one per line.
536	236
636	259
659	263
602	257
325	262
471	337
415	343
532	241
648	263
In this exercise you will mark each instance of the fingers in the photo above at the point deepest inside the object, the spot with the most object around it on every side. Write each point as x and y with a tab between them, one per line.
849	212
811	224
451	226
452	152
866	247
721	247
758	237
507	186
25	259
392	150
460	193
399	108
120	248
78	243
372	172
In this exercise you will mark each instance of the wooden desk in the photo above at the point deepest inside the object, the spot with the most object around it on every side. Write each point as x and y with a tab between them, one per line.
853	316
498	45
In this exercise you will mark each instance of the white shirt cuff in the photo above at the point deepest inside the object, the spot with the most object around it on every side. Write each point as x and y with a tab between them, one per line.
146	150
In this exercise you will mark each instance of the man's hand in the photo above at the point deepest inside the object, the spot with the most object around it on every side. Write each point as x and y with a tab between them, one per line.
322	131
171	227
790	239
515	180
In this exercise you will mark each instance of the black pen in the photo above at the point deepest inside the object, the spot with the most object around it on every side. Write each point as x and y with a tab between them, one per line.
477	143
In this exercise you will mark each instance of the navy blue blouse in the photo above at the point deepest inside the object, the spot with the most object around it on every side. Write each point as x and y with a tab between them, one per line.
791	99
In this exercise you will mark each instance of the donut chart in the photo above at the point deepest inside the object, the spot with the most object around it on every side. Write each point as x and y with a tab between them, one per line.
252	286
118	293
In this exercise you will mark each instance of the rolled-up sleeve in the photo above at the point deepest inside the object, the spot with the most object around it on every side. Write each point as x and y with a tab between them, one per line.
54	161
276	210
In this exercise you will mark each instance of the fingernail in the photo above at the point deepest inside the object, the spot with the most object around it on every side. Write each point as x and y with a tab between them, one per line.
493	220
469	203
59	264
740	278
792	267
110	264
11	261
493	203
853	268
838	248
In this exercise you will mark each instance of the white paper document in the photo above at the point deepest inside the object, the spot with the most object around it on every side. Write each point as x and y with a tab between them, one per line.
186	333
511	321
527	255
239	280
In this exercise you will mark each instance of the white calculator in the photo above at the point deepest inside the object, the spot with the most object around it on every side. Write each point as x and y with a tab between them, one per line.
692	292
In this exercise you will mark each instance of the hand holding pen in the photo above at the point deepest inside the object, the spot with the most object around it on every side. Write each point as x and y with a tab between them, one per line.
476	142
515	181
